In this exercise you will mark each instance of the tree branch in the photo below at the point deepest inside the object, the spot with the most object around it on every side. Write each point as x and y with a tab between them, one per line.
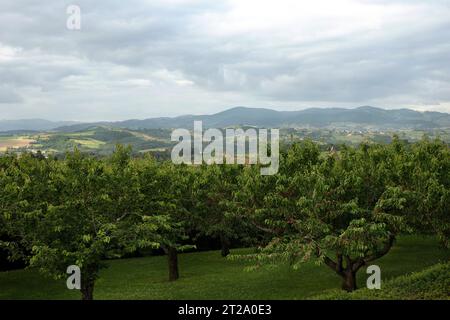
363	261
264	228
381	253
348	262
337	267
339	262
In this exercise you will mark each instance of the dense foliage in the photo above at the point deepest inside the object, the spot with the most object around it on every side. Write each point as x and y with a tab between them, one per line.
344	209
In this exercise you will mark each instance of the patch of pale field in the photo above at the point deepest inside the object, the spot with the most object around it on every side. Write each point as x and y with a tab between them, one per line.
19	142
43	137
152	150
81	134
145	136
89	143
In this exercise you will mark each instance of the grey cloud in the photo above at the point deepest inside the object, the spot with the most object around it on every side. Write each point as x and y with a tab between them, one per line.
9	96
168	45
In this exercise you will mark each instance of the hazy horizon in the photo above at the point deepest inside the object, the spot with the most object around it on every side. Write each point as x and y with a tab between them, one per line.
201	114
155	58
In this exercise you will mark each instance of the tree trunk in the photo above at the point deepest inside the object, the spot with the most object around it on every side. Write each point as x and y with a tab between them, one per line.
348	274
172	257
225	245
349	280
352	266
87	289
88	277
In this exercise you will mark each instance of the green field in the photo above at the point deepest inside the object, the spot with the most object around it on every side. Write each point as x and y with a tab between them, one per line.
99	140
102	140
206	275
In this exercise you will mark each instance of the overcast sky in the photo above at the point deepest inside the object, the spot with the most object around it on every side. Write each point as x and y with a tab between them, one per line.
147	58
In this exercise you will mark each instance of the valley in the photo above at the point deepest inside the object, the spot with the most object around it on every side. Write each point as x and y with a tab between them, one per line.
328	127
102	140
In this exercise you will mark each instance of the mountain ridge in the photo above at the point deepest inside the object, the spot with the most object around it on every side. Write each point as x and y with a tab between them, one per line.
33	124
364	116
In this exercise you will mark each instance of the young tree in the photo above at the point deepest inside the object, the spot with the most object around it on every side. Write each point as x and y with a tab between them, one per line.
166	193
215	186
75	229
93	216
25	193
422	171
335	209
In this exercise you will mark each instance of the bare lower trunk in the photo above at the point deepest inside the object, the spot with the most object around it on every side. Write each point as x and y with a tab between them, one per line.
348	272
87	290
88	277
349	281
225	245
172	257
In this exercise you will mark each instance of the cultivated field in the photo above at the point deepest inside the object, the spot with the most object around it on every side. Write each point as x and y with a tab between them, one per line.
14	142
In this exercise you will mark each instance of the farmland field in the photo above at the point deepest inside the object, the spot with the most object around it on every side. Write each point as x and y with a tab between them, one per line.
100	140
14	142
103	139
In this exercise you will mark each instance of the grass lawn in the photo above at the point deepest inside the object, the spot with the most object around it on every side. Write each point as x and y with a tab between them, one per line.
432	283
206	275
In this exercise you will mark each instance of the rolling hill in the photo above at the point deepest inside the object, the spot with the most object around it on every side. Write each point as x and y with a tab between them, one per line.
315	117
364	117
32	125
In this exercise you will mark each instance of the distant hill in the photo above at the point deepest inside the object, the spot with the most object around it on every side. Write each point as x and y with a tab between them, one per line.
314	117
32	125
362	117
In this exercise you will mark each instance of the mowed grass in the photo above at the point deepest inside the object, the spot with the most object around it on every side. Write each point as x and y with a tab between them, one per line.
206	275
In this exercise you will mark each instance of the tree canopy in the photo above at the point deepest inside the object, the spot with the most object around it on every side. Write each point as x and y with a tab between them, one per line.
343	209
